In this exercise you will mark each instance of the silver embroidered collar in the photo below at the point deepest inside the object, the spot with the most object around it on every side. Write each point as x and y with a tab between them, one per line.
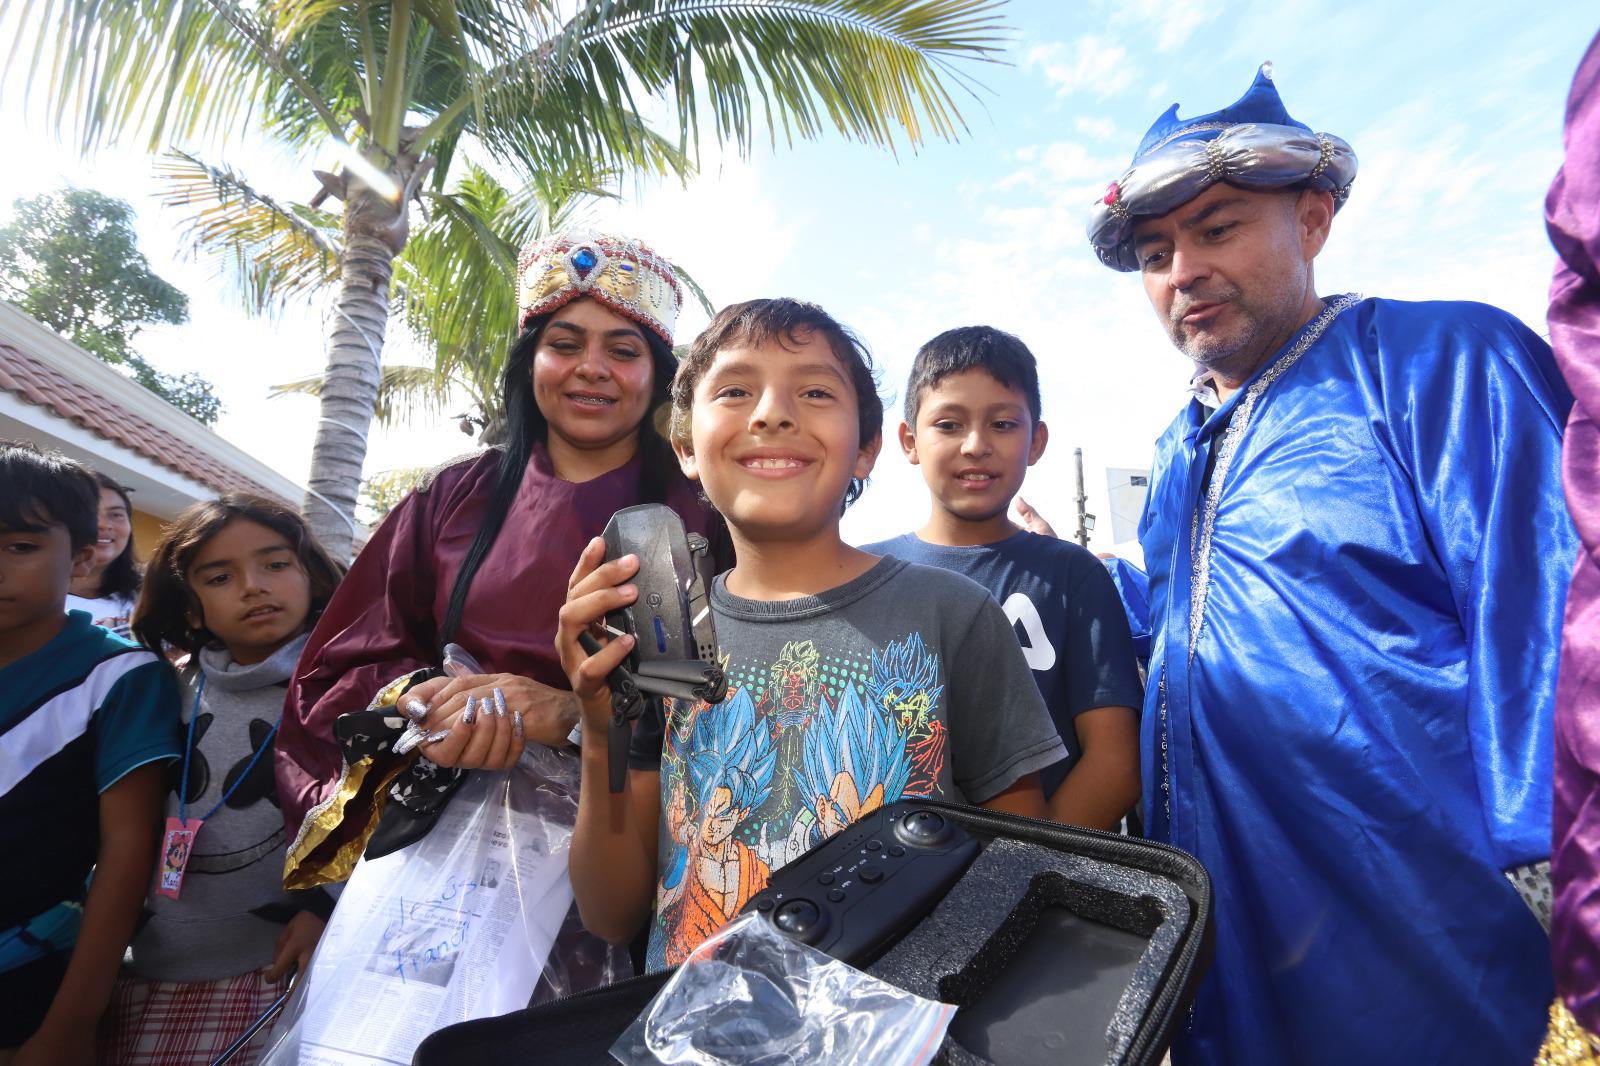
1205	518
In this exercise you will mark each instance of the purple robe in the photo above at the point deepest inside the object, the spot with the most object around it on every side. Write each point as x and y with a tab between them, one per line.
383	623
1572	212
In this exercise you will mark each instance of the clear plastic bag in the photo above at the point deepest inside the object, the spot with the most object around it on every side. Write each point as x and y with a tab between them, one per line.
458	925
751	996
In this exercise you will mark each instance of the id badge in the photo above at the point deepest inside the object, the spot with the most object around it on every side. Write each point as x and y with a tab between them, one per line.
176	845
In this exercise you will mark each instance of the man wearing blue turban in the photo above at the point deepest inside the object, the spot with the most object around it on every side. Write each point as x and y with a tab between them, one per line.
1358	555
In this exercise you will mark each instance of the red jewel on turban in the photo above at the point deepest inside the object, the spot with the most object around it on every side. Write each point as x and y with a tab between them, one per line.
1112	193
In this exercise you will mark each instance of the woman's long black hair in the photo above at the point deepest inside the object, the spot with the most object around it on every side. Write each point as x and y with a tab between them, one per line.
526	426
122	576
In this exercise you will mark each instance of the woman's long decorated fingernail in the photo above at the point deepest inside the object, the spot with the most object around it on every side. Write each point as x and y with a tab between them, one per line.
415	708
409	739
499	703
434	738
516	724
470	711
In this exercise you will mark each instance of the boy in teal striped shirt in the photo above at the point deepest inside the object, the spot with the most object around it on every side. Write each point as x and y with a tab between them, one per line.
88	722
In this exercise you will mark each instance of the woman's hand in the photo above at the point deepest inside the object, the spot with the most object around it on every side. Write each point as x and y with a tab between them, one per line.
295	945
483	721
596	588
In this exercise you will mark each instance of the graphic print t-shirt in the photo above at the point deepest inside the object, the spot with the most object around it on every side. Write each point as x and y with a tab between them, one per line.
1066	614
906	682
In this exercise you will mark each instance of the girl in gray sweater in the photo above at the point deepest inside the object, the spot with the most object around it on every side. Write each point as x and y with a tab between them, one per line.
236	583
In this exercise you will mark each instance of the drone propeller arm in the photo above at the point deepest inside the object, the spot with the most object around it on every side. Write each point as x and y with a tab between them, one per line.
685	679
660	686
687	671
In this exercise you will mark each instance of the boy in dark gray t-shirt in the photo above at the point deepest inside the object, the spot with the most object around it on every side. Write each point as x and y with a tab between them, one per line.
837	704
854	680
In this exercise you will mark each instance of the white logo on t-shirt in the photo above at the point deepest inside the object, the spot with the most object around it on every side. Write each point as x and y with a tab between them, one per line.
1036	647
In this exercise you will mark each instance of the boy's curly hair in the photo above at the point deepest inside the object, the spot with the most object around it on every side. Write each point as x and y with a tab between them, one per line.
791	323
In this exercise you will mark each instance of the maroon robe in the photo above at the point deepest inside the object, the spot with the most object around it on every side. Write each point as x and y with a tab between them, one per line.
1572	212
384	620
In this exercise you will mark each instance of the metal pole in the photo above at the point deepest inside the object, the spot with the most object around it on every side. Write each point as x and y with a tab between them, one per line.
1083	525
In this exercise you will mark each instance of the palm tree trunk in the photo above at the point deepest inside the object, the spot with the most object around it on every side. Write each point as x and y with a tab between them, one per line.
372	230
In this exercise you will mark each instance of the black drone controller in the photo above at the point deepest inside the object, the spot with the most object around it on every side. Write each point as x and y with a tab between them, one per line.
853	895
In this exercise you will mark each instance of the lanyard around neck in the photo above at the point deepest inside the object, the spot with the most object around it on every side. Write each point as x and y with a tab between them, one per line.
188	749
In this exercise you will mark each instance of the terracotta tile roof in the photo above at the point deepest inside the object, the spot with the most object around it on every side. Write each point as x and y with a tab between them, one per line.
36	383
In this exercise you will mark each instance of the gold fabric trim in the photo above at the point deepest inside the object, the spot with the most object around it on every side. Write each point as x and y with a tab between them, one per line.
1567	1042
335	832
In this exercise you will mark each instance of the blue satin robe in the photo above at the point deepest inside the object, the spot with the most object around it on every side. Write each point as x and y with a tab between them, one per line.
1360	742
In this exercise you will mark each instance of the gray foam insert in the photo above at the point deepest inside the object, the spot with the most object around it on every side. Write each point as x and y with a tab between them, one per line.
953	954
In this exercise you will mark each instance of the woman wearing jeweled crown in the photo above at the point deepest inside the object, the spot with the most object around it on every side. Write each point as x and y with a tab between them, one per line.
479	555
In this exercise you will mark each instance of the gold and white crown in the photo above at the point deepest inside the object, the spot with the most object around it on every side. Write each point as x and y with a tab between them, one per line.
624	275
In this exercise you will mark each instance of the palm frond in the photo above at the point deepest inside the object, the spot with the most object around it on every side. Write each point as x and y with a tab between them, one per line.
584	124
442	17
291	18
323	44
687	280
340	47
404	392
383	491
461	251
156	69
271	252
869	69
160	71
457	273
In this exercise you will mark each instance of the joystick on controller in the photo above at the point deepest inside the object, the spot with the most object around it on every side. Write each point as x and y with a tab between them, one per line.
800	918
852	896
924	829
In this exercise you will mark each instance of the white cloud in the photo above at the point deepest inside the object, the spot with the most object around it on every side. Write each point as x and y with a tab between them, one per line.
1100	128
1090	64
1109	379
1064	169
1436	213
1069	161
708	225
1169	22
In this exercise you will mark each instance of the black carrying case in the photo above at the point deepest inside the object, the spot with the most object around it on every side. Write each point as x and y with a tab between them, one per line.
1058	945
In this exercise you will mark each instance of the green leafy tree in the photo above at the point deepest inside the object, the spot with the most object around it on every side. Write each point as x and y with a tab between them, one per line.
398	90
71	259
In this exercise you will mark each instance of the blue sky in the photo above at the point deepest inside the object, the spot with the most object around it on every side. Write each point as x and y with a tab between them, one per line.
1454	111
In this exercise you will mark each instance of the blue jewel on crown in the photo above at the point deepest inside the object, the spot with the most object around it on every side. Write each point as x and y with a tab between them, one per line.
585	264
